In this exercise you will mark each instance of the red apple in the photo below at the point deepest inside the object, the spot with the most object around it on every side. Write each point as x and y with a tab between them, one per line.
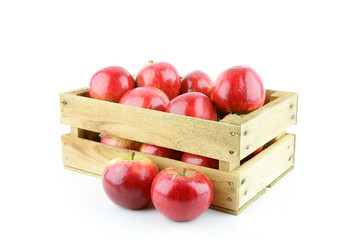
181	194
160	151
196	81
120	142
238	89
110	84
146	97
161	75
200	160
193	104
127	181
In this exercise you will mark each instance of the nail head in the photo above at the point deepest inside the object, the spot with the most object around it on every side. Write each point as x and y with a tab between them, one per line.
231	152
230	183
229	199
243	181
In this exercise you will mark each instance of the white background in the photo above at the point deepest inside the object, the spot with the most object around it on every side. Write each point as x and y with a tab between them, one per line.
309	47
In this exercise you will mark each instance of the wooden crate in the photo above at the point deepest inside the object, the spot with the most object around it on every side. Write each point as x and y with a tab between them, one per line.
236	183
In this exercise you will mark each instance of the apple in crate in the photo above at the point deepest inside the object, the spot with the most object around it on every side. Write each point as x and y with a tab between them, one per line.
181	194
196	81
193	104
146	97
110	84
238	89
200	160
127	181
161	75
160	151
120	142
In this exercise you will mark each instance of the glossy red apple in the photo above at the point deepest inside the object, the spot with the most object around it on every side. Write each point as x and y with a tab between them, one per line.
161	75
200	160
196	81
127	181
193	104
146	97
120	142
181	194
238	89
110	84
160	151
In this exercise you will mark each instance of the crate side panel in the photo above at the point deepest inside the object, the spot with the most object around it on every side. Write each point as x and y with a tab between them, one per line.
207	138
92	157
257	173
267	122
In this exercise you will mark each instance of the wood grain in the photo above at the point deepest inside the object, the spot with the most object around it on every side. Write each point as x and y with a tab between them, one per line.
92	157
233	138
242	208
267	122
228	166
260	171
280	177
275	139
207	138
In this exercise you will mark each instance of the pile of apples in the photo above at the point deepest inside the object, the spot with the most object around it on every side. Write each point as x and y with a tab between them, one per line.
180	194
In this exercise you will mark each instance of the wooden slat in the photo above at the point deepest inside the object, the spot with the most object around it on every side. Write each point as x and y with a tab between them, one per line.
207	138
269	94
275	139
82	171
253	199
92	157
257	173
280	177
267	122
293	158
228	166
242	208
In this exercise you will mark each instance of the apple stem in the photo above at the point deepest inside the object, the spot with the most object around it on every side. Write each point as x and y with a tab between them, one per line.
132	155
150	61
191	90
184	171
